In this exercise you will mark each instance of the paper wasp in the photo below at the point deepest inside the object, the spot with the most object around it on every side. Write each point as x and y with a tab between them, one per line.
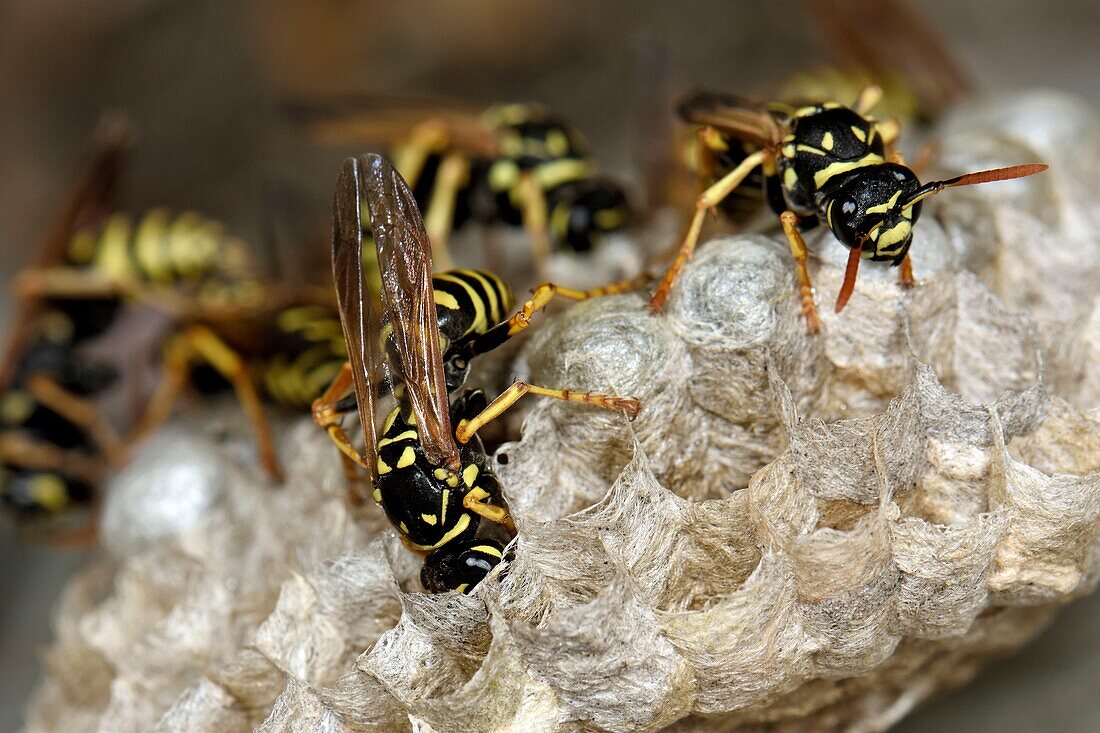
821	163
513	164
427	466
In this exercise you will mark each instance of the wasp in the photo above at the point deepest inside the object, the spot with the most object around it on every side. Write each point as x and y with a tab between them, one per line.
428	468
821	163
511	164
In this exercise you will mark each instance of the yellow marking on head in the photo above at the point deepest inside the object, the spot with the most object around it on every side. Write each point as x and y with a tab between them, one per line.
883	208
113	256
377	496
556	172
408	457
804	111
429	519
827	141
609	219
504	175
452	480
860	133
557	144
894	235
830	105
404	529
401	436
443	510
834	169
907	212
460	526
802	148
487	549
49	492
382	466
790	178
469	475
461	587
150	247
788	151
829	213
16	406
442	473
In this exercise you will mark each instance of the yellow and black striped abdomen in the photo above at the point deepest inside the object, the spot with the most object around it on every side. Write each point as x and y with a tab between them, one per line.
469	302
313	354
159	247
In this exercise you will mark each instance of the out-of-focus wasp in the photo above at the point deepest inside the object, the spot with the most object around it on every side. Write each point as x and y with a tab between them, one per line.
821	163
427	466
512	164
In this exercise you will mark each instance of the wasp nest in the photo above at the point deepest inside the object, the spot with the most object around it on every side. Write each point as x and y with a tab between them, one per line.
798	532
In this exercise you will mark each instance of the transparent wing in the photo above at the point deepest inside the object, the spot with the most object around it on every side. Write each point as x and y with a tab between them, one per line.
358	313
408	304
734	115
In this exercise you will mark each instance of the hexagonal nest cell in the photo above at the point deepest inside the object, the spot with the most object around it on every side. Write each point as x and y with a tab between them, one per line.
797	533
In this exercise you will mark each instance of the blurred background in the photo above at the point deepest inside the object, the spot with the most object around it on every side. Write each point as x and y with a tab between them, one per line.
204	82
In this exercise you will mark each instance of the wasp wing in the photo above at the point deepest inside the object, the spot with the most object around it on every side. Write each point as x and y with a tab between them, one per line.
408	304
358	313
734	115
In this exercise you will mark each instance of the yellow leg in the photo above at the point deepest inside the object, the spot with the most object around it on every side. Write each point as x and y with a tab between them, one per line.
328	417
66	282
439	217
467	428
708	200
890	130
79	412
176	363
533	209
475	502
544	293
17	450
869	96
798	249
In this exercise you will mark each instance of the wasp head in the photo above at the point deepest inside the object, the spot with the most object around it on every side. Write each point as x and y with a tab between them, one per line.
872	210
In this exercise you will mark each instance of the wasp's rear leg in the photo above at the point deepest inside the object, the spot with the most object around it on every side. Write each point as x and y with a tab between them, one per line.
789	220
80	412
535	218
467	428
454	173
707	201
328	410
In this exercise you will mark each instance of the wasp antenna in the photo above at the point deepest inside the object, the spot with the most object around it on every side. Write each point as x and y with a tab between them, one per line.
850	272
969	179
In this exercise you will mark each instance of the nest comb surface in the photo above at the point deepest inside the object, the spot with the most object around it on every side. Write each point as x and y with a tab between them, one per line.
797	533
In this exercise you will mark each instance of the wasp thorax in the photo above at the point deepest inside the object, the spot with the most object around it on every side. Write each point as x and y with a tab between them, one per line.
870	208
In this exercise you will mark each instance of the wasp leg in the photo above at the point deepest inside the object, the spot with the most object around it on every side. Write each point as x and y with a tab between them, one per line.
66	282
708	200
789	220
535	218
539	299
468	428
328	411
176	365
474	501
16	450
439	216
890	130
80	412
869	96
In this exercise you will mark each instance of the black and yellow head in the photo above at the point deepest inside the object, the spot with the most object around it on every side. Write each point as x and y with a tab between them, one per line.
872	210
584	210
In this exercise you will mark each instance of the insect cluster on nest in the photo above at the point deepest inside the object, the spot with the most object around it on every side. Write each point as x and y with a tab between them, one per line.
726	497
